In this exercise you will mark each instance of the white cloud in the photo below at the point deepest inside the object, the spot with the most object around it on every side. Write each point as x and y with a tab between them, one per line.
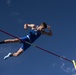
73	74
65	68
17	17
8	2
53	64
62	66
70	70
21	20
15	13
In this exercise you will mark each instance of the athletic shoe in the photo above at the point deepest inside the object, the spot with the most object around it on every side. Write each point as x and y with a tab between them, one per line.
7	56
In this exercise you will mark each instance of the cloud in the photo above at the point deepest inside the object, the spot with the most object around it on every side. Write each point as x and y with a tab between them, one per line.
73	74
65	68
15	13
17	17
53	64
20	20
8	2
62	66
68	69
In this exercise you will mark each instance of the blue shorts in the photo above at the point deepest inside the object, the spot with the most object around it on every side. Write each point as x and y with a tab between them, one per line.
23	41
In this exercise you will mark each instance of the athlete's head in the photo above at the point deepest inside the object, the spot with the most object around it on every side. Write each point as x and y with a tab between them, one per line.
43	26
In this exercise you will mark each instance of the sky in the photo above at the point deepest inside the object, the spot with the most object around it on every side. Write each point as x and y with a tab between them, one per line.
60	15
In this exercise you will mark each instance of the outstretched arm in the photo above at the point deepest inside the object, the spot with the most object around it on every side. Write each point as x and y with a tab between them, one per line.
48	33
32	26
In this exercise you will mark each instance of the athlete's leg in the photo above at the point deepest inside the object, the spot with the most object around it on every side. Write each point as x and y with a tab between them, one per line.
10	41
14	54
24	47
18	52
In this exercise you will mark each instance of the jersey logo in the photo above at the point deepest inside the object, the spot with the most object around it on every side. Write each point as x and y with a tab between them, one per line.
35	32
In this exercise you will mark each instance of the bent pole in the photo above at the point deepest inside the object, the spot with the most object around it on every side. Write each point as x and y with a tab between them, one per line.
37	46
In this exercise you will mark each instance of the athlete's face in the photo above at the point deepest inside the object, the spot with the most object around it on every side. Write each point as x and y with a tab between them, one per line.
41	28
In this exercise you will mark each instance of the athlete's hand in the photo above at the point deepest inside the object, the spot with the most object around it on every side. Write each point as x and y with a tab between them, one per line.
25	26
48	27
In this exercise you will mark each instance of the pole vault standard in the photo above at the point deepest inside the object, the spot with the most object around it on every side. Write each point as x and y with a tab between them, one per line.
72	61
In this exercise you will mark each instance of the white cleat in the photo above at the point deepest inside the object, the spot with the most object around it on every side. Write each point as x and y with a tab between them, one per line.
7	56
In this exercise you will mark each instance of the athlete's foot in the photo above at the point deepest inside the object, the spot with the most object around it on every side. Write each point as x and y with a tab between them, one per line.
7	56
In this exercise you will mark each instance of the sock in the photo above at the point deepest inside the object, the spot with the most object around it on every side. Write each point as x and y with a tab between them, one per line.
2	42
11	55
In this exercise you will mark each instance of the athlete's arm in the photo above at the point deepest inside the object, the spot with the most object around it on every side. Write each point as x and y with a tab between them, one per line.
32	26
48	33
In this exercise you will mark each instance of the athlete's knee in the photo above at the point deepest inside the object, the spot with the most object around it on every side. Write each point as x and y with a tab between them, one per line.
17	53
16	40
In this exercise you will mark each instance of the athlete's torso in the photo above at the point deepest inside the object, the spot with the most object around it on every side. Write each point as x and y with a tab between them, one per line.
34	34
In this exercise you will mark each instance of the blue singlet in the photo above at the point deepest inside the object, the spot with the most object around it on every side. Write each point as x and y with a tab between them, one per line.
31	37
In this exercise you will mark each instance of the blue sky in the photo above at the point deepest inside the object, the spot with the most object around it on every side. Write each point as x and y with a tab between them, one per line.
60	15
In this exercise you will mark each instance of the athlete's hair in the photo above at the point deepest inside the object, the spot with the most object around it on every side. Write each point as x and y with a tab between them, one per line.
43	24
